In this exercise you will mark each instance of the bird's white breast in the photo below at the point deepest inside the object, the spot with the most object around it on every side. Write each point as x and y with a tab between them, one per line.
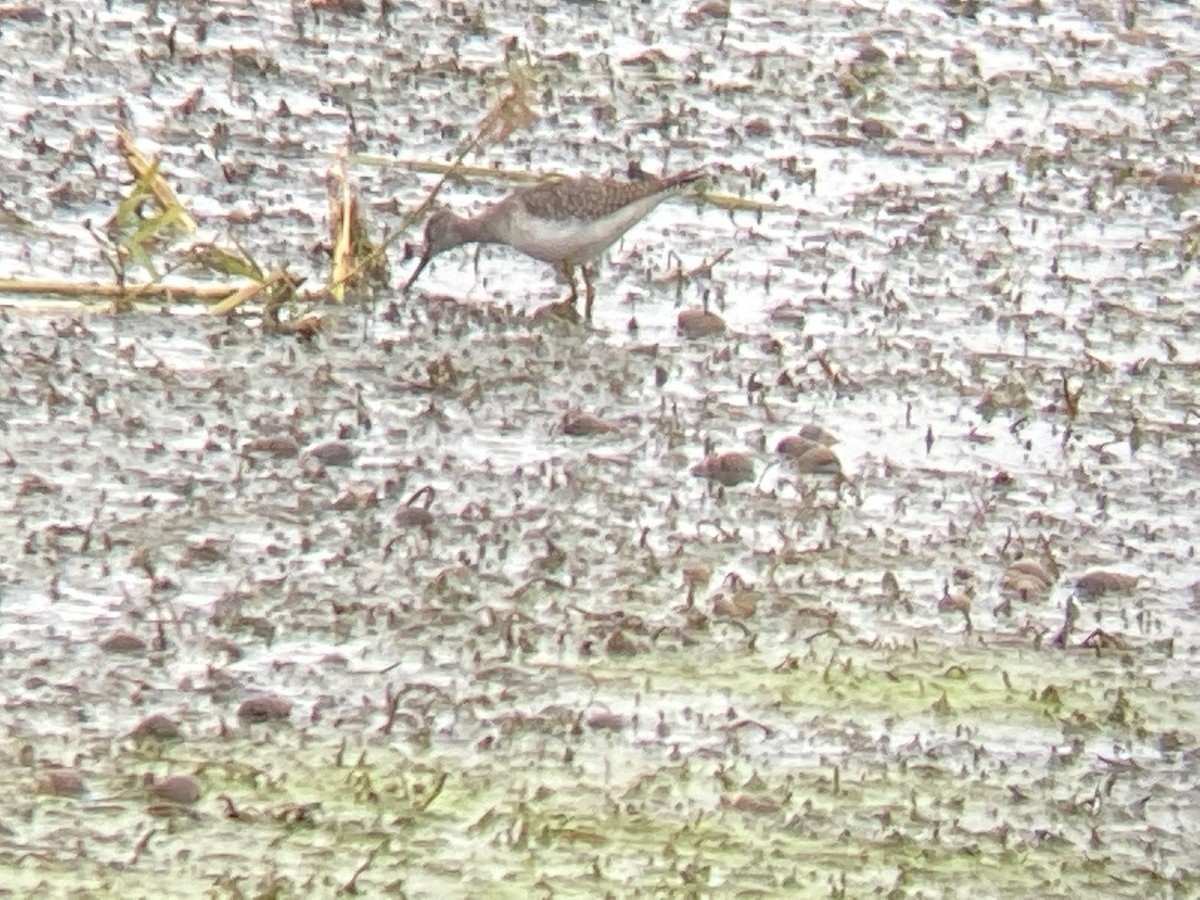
573	240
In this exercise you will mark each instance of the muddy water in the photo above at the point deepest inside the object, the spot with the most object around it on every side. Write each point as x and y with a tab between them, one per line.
978	277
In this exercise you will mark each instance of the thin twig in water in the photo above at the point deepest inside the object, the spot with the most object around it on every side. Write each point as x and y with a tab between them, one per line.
433	794
141	845
351	886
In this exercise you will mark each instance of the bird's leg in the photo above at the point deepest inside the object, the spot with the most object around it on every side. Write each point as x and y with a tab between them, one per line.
568	272
565	309
590	294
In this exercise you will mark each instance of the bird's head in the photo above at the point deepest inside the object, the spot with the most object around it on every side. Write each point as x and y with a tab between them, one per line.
442	233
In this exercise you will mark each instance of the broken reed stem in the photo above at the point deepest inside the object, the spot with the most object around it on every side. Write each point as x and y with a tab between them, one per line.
246	294
142	166
201	293
434	167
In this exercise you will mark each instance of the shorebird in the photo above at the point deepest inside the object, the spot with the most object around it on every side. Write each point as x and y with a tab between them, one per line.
566	221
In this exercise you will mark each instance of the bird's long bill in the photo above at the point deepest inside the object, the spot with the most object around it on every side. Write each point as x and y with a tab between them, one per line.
426	256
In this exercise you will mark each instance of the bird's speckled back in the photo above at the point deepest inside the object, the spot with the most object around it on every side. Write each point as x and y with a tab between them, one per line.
593	198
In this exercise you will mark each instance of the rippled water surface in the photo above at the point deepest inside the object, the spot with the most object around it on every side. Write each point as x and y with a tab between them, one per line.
409	632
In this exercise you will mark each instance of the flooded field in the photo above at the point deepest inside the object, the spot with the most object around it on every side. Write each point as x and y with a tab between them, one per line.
447	602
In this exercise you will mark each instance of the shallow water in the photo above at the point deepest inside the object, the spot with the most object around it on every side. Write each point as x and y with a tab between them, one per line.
989	216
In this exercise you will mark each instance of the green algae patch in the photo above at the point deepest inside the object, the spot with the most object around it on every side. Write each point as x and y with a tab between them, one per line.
598	807
1020	686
